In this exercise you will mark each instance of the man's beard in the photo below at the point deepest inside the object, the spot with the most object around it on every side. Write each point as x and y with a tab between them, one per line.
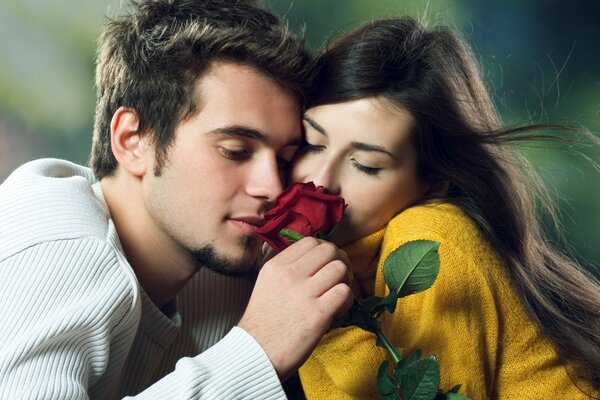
208	257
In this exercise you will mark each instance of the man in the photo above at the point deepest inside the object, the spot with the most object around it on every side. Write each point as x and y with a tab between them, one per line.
198	113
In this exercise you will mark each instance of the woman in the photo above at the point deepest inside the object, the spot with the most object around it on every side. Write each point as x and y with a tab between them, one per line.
401	125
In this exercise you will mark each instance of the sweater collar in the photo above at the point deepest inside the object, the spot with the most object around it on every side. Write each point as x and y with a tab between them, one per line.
162	325
363	252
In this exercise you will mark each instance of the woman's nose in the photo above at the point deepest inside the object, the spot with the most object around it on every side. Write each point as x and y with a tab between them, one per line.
326	176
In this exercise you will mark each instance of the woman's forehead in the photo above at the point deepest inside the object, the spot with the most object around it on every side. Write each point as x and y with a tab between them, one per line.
367	119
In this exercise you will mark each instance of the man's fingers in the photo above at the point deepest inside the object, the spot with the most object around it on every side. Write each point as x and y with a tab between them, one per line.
296	295
296	250
317	257
337	300
330	275
309	255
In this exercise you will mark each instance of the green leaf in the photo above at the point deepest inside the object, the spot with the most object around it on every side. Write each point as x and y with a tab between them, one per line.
402	365
390	302
375	305
412	267
386	386
420	380
451	394
393	396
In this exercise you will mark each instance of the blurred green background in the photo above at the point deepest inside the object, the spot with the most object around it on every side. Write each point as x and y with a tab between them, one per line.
541	59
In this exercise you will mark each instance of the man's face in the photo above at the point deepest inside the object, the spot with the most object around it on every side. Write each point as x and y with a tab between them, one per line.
224	168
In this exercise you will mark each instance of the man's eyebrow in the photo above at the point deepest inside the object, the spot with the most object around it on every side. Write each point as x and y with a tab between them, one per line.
315	125
372	147
243	131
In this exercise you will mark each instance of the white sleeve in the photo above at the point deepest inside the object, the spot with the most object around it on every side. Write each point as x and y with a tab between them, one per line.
67	312
68	319
235	368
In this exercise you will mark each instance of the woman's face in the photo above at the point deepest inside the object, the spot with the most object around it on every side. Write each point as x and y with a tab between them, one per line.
361	150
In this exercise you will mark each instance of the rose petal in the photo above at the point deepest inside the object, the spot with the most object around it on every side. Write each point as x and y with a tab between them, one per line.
303	208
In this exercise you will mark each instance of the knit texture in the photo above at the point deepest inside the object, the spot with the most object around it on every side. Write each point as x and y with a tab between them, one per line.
471	319
75	323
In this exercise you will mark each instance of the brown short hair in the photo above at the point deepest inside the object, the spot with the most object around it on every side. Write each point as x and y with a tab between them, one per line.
149	60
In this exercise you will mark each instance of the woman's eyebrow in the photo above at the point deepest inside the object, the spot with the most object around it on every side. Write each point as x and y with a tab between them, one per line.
372	148
315	125
356	145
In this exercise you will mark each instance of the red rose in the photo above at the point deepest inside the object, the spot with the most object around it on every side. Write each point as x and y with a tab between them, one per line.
303	208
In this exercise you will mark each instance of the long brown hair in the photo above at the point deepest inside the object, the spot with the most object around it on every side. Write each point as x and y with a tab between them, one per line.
460	141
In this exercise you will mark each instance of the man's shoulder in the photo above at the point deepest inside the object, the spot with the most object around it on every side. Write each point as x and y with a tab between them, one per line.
47	200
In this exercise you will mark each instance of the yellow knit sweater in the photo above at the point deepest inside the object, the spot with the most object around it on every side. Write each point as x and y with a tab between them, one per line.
471	319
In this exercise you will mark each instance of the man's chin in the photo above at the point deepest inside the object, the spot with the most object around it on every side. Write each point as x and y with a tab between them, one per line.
229	265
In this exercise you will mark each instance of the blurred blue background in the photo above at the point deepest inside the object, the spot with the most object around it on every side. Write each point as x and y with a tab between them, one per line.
541	59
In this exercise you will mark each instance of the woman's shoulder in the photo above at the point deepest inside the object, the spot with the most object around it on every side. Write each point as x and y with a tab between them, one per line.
441	222
463	248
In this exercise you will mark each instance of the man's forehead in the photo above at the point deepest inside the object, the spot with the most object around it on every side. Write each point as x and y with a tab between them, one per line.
238	73
238	100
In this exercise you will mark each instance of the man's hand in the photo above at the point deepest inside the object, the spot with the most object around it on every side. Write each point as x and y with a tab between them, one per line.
296	296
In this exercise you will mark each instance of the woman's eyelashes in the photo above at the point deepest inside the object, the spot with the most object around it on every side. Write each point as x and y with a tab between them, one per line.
308	148
373	171
312	148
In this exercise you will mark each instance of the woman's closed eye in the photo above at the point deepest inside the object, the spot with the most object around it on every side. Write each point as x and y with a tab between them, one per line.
373	171
312	148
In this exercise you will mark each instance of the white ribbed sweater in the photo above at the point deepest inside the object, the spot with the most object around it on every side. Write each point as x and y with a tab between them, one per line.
75	324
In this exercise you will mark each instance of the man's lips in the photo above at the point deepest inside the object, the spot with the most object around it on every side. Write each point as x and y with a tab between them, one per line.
248	225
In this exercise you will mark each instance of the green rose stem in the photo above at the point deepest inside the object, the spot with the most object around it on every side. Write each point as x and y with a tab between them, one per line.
388	346
291	235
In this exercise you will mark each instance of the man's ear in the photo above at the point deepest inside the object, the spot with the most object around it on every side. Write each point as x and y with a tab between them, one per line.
127	144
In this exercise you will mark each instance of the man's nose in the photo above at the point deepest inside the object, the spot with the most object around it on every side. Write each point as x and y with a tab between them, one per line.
265	180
